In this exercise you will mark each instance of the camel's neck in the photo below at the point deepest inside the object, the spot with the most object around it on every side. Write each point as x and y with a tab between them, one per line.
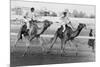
76	33
79	30
43	30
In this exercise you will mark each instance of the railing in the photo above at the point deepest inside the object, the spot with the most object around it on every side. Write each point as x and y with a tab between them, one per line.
50	36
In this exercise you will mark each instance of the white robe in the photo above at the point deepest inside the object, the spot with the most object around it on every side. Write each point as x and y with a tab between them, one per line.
65	20
29	16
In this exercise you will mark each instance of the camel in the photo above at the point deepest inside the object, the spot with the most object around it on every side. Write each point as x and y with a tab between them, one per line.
34	33
66	36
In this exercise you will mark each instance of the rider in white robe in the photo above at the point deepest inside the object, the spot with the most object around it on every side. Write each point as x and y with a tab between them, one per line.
65	20
29	16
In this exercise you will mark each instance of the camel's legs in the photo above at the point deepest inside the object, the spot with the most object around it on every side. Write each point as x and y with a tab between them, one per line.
76	45
69	43
27	46
62	47
51	40
32	37
42	42
54	40
20	37
16	42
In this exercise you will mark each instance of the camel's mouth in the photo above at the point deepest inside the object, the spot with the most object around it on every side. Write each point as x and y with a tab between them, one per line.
81	25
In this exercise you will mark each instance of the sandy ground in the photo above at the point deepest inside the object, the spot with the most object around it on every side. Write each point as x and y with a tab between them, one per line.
35	55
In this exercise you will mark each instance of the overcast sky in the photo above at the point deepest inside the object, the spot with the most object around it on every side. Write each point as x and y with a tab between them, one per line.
88	9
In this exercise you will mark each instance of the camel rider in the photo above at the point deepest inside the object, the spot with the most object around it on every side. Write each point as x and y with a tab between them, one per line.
65	19
29	16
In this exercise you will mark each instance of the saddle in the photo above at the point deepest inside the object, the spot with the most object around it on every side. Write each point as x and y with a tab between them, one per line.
24	29
69	30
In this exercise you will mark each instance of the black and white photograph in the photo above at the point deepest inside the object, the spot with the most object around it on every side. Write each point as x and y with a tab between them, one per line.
43	33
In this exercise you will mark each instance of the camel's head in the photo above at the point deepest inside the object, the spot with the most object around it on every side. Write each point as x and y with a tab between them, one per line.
47	23
81	25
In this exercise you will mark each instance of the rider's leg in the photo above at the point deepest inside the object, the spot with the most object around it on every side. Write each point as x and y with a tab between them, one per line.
28	28
27	23
19	36
63	28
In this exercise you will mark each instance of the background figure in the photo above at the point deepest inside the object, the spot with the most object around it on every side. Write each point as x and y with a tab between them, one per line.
91	42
